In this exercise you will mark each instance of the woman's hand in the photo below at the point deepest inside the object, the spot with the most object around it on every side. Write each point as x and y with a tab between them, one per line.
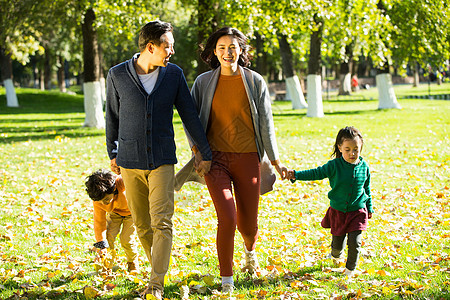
282	170
201	166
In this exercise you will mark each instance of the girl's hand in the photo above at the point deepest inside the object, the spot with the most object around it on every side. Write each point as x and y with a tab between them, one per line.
290	175
369	215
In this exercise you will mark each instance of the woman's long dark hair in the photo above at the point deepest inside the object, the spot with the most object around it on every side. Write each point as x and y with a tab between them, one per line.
347	133
210	58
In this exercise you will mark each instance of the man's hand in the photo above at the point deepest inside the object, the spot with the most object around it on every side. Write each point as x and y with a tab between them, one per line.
114	167
203	167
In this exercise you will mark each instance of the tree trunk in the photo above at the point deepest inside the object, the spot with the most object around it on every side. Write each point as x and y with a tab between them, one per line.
90	48
293	87
41	80
93	105
47	69
345	84
206	23
314	82
416	70
60	74
286	56
102	75
386	93
35	74
7	78
345	87
261	56
315	57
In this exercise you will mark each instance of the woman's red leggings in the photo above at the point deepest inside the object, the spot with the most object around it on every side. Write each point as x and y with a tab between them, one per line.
240	171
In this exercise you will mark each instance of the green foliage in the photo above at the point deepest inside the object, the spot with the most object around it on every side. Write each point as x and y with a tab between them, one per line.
421	32
46	217
386	31
15	27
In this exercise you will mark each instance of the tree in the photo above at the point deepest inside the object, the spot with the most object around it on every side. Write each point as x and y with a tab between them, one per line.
113	20
421	33
314	79
93	104
279	22
293	86
16	19
346	36
206	24
386	93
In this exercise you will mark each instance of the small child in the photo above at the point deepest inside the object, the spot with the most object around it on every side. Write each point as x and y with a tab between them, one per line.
111	212
350	198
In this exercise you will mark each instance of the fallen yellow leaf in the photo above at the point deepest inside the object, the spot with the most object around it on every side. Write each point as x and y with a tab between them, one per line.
90	292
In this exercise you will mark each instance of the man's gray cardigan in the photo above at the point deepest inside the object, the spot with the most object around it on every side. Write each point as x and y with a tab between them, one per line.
139	129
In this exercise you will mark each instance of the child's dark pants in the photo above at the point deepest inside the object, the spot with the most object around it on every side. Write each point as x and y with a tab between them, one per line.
354	241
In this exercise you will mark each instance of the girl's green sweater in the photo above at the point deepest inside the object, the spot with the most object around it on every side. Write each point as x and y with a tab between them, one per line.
350	184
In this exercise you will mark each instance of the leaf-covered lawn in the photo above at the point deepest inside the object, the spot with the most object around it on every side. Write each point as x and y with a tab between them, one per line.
46	227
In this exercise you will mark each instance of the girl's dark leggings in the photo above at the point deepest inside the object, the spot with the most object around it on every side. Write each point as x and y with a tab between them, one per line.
354	239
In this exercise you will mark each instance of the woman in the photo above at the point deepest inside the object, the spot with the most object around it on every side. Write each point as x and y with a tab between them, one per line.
235	109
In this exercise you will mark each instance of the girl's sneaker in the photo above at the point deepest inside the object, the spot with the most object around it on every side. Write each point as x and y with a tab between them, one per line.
227	288
336	260
349	273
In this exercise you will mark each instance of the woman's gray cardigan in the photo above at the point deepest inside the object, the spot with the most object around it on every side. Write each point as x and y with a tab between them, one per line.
260	106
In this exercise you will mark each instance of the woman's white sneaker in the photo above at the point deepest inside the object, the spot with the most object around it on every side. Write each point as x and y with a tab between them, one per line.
251	261
227	288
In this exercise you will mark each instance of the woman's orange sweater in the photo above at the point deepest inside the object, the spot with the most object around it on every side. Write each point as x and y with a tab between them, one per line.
230	127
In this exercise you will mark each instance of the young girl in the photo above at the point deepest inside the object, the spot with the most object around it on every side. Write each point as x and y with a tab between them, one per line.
350	198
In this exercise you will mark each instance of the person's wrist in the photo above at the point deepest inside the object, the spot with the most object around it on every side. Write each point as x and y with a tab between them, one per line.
275	162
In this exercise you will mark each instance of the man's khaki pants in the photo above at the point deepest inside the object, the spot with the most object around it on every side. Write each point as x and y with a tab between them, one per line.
150	198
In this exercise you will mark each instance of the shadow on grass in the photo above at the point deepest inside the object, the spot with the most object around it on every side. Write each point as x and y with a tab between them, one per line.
43	115
47	136
55	289
245	282
327	113
39	102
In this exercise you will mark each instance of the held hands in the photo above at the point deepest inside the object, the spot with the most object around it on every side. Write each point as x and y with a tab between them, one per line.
114	167
290	175
282	170
201	166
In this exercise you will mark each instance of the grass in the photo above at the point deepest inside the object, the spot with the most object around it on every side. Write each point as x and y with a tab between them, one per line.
46	229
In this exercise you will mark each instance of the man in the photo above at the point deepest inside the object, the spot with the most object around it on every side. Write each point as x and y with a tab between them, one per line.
141	94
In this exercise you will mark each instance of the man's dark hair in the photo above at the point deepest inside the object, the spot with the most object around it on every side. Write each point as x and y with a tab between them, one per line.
152	32
100	183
